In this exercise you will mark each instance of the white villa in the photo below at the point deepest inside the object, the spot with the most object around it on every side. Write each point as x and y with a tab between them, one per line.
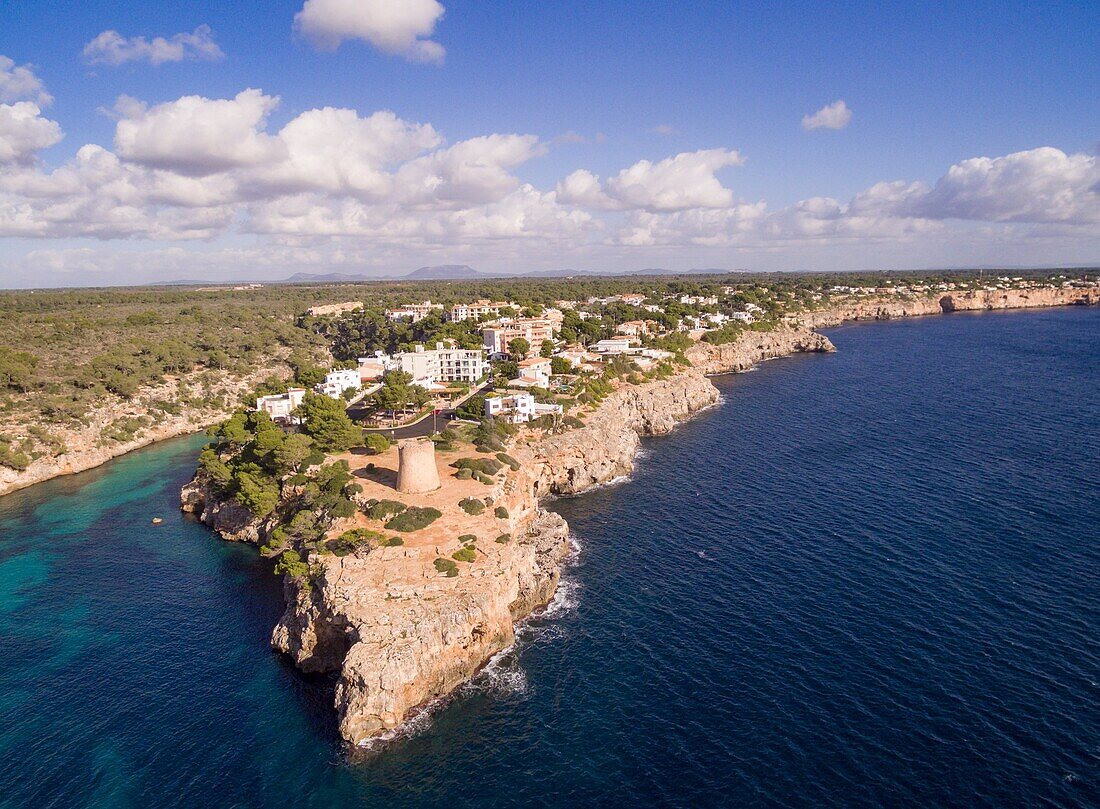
336	382
519	408
533	373
281	405
633	328
619	345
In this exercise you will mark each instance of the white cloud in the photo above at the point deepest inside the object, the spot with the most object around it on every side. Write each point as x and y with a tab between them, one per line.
473	171
673	184
111	48
21	84
198	136
664	129
335	150
399	27
1040	185
333	187
23	131
831	116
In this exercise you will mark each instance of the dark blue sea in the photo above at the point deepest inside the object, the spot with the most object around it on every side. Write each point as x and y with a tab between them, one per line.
866	579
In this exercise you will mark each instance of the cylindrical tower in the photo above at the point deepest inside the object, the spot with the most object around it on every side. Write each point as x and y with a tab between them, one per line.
416	470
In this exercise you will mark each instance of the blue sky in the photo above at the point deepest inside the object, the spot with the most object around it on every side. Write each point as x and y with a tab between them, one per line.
604	86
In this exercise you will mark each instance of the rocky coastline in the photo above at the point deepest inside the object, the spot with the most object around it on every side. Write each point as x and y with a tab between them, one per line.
400	638
85	449
398	634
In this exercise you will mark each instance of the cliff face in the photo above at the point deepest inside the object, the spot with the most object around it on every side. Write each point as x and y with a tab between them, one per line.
228	518
890	307
400	634
753	347
605	447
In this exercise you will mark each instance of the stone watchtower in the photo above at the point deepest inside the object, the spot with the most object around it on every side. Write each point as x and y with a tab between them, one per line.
416	469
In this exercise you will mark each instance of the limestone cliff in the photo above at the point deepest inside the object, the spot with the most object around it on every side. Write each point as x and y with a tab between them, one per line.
888	307
400	635
604	448
753	347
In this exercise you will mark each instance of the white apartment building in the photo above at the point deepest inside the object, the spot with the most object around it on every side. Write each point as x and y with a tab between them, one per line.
414	312
519	408
443	364
281	405
479	309
535	330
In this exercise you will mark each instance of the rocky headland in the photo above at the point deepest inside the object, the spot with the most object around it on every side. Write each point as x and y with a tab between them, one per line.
400	634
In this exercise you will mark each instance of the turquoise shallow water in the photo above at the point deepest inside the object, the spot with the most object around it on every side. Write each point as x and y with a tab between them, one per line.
868	579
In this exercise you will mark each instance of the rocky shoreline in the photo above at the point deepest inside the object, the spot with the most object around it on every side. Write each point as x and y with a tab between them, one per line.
401	640
85	450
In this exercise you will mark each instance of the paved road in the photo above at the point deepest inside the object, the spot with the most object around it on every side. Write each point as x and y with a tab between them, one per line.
423	427
426	426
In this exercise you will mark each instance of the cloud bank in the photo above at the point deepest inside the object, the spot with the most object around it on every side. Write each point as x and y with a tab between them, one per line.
333	186
111	48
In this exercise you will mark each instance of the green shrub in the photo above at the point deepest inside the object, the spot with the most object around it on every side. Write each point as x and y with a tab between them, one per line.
447	567
384	509
472	506
509	460
393	542
464	474
413	519
481	478
377	443
13	460
343	509
466	538
357	539
464	555
486	466
504	539
291	564
501	512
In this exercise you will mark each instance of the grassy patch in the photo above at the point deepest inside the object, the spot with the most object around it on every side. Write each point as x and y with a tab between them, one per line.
464	555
